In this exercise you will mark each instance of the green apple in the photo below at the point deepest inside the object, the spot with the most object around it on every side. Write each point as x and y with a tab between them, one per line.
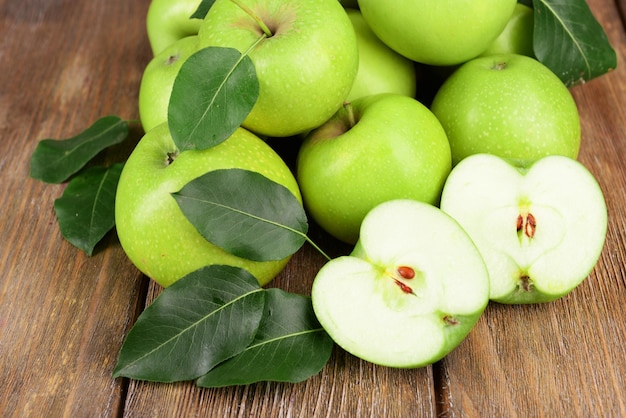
442	32
381	69
507	105
305	67
411	291
158	79
540	228
517	36
170	20
377	148
154	232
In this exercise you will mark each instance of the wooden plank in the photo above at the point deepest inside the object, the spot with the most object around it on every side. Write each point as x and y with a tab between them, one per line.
63	315
564	358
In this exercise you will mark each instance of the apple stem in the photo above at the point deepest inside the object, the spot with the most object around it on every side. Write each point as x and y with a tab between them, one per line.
350	113
266	30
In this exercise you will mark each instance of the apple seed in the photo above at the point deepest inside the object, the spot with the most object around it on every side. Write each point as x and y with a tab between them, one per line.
527	223
405	288
406	272
531	224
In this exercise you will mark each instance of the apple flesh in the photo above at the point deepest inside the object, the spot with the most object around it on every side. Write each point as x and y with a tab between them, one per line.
411	291
507	105
377	148
442	32
381	69
306	66
540	228
154	232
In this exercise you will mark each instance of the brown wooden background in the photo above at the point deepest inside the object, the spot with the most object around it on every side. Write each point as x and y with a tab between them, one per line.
63	315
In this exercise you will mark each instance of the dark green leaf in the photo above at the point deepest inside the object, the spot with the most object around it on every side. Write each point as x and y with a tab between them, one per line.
86	210
569	40
212	95
528	3
245	213
203	9
54	161
290	346
199	321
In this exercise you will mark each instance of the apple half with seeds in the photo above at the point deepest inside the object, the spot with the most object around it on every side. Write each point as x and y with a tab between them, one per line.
540	228
409	293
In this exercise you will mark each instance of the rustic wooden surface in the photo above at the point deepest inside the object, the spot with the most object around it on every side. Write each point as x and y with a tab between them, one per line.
63	315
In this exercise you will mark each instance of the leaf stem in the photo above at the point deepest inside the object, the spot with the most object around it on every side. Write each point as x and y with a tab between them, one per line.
314	245
266	30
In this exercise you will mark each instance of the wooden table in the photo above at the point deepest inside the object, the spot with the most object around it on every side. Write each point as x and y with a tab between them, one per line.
64	316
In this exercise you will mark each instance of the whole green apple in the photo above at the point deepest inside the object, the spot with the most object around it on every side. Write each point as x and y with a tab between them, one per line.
154	232
158	79
170	20
305	66
517	36
411	291
381	69
377	148
442	32
540	227
507	105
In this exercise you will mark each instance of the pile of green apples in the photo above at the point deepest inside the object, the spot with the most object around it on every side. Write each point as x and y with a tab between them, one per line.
475	196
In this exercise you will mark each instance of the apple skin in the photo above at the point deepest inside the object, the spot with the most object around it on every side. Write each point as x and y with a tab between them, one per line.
507	105
158	79
381	69
442	32
305	70
169	20
153	231
517	36
358	300
529	262
396	149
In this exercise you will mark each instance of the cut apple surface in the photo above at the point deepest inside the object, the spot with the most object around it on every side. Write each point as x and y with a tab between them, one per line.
540	229
409	293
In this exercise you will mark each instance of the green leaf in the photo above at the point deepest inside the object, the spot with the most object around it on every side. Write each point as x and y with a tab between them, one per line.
86	210
569	40
213	93
54	161
290	346
203	9
196	323
245	213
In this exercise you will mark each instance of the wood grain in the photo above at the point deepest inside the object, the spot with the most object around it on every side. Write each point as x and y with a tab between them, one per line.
63	315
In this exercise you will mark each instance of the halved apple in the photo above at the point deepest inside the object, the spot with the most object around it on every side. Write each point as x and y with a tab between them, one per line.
409	293
540	228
